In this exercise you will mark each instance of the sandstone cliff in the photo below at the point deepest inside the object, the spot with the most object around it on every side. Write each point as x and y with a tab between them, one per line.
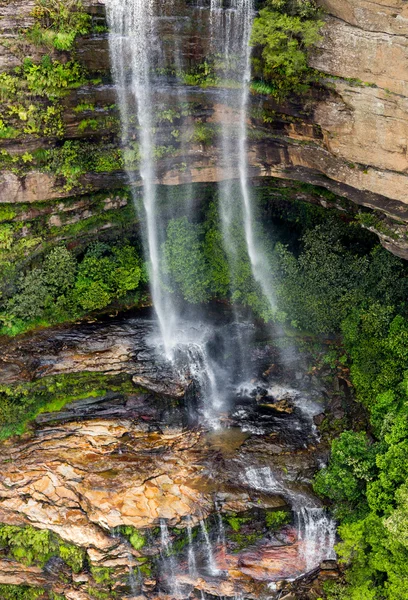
351	139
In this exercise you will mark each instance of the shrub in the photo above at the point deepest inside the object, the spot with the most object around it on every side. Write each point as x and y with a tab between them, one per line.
59	22
285	30
52	78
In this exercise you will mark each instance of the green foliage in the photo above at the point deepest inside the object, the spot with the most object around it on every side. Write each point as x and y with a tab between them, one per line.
285	30
106	274
197	267
275	519
63	288
72	556
236	522
320	288
58	23
7	212
367	479
7	132
21	403
204	134
35	546
135	537
59	270
20	592
52	78
185	261
203	75
102	574
74	159
351	467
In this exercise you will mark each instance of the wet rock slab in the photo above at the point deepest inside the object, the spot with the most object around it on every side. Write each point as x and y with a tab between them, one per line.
113	347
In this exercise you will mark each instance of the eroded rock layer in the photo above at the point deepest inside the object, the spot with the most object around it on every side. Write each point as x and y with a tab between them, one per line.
350	139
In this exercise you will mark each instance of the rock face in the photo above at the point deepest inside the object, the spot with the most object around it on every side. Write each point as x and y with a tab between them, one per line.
352	139
119	477
111	348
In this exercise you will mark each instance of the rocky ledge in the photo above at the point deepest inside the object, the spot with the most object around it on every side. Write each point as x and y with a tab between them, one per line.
157	509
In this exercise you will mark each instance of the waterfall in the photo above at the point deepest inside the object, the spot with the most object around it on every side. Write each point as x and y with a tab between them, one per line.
135	580
168	560
318	534
192	564
136	51
221	528
212	565
230	32
133	47
316	531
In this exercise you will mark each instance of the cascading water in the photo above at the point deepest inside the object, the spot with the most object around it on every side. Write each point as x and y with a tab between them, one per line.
212	565
133	45
168	560
135	53
230	33
192	563
316	531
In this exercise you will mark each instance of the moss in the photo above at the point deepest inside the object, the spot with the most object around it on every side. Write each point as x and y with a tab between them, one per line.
22	592
236	522
21	403
7	212
135	537
99	594
29	546
102	574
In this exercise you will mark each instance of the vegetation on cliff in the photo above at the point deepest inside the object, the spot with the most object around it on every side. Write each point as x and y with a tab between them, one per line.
33	546
58	23
63	288
367	475
285	30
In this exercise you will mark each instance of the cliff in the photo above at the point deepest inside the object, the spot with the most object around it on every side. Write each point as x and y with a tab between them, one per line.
349	138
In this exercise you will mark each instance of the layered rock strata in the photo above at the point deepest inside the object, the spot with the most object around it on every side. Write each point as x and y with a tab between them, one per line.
351	139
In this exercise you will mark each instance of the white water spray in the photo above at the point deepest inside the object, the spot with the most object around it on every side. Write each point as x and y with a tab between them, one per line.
169	562
316	530
133	45
231	31
192	563
212	565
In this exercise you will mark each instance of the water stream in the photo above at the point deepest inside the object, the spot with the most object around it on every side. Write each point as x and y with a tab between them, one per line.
212	565
197	349
192	563
169	568
230	33
315	529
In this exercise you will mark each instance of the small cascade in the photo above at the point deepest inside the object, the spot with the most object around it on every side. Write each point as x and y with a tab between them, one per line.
221	529
168	560
135	579
316	530
318	533
135	582
212	565
193	360
192	563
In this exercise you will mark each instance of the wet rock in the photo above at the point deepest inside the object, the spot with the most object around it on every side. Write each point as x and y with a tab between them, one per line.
57	568
318	419
328	565
111	348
